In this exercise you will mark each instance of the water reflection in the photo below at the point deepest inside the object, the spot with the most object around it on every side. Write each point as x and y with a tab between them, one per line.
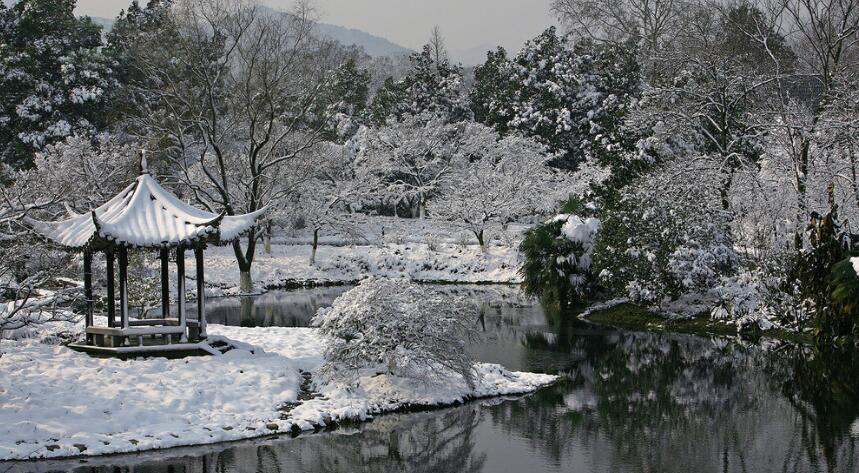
272	309
631	402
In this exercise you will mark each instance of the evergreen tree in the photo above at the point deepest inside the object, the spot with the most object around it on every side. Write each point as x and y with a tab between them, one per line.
141	33
745	21
490	88
345	99
431	86
54	80
387	100
572	100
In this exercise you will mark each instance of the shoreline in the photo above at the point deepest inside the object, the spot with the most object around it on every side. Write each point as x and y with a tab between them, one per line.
293	432
631	316
200	408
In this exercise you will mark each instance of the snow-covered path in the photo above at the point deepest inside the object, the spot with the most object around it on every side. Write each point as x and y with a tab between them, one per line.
55	402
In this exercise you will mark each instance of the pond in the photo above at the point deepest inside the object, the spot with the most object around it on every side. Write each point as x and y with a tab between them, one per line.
635	402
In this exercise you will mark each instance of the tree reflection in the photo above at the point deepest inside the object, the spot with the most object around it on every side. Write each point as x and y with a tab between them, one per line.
631	401
652	402
429	442
823	387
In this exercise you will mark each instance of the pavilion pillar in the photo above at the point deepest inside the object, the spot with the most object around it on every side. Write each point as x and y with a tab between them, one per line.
180	270
123	286
201	291
111	296
165	283
88	291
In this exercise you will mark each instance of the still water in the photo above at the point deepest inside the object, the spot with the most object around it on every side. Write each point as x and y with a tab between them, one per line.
632	402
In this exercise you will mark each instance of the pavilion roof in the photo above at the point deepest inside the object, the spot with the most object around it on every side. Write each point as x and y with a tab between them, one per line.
145	215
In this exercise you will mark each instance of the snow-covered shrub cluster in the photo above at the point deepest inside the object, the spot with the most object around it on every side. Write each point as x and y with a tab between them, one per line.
657	246
400	260
396	327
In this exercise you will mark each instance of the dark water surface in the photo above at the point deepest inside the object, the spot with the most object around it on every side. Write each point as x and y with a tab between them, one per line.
633	402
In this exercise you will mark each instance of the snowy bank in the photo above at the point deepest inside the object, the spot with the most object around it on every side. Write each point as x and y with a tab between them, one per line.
289	264
55	402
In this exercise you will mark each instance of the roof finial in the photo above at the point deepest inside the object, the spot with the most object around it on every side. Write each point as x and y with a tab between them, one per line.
144	169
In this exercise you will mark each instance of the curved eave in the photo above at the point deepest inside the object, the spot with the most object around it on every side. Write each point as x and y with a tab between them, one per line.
233	227
88	232
71	233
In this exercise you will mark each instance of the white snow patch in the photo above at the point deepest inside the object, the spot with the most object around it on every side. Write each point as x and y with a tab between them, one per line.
290	263
54	400
855	262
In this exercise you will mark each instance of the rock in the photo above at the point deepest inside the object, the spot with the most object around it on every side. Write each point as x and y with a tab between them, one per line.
81	447
272	426
51	448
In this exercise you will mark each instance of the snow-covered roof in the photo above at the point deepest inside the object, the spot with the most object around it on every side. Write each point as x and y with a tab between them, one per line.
145	214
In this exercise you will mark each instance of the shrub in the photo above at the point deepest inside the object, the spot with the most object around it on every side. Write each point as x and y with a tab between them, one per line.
396	327
843	316
654	247
558	256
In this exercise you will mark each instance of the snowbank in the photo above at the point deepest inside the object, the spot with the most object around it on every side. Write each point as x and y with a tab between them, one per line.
55	402
289	264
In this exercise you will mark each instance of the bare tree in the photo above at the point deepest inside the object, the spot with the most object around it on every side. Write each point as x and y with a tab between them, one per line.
827	34
238	102
654	24
23	306
437	47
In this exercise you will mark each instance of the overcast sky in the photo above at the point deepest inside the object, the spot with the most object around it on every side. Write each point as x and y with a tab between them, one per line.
464	23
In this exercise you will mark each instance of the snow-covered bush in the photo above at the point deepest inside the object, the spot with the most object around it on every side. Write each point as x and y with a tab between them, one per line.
23	307
558	256
742	300
400	328
666	238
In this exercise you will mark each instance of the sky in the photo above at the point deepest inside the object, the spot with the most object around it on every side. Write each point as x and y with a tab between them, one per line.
464	24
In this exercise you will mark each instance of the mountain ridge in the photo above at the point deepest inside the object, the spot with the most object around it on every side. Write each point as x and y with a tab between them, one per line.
373	45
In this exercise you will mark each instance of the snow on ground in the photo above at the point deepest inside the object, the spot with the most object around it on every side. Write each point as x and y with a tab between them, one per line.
291	263
378	230
55	402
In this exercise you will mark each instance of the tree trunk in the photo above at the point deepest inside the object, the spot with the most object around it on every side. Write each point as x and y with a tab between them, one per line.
245	261
315	244
801	186
422	207
267	238
246	284
726	189
479	236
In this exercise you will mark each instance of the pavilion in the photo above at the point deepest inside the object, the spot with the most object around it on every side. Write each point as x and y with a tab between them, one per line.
145	216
